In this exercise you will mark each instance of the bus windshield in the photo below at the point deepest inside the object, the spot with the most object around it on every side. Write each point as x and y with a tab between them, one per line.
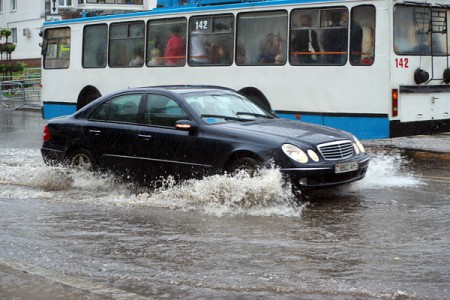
420	30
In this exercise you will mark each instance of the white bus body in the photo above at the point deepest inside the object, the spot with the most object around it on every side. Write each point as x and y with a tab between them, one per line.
377	96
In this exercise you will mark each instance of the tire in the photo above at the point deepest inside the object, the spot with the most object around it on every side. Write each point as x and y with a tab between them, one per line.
83	160
246	164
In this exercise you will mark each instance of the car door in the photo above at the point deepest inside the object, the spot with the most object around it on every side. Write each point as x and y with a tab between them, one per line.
164	149
112	131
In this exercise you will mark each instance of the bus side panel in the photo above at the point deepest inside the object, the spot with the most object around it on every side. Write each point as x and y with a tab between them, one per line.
54	109
364	127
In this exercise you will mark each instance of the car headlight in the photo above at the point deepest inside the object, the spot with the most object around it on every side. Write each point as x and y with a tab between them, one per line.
357	151
359	145
313	155
295	153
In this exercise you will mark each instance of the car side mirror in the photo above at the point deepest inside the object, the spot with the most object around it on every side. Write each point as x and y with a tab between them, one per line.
185	125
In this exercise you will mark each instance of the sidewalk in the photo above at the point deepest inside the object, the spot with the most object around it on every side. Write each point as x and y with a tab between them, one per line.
424	146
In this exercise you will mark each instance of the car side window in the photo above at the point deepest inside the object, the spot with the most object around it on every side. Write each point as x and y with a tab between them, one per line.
163	111
120	109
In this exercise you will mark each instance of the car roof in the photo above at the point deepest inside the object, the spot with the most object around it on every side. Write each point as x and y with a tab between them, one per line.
187	89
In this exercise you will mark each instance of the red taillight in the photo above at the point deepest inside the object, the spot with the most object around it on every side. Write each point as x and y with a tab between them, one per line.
394	102
46	133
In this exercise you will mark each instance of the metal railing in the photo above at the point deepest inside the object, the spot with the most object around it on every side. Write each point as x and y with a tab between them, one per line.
21	91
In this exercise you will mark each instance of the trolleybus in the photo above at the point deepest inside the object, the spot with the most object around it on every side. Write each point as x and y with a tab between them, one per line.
376	68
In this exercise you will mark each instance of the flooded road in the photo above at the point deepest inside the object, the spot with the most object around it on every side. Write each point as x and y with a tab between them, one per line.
75	235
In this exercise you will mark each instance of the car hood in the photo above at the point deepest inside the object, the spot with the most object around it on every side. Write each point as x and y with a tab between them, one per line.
288	131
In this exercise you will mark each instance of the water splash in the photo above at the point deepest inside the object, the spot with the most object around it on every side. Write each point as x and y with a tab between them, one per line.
388	169
24	175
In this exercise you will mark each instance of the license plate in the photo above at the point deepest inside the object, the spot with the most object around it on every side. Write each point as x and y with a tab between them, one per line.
346	167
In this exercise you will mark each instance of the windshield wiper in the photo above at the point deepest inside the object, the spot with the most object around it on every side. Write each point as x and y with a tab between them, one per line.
253	114
227	118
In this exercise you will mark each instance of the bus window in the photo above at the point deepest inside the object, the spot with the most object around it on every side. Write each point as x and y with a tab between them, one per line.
57	48
95	40
211	40
126	44
412	34
305	25
334	35
319	36
362	35
166	42
261	38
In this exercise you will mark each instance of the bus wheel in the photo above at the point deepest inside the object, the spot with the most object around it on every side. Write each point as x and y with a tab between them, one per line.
87	95
257	96
82	160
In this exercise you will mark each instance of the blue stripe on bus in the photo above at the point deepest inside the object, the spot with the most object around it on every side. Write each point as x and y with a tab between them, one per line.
362	127
52	110
186	9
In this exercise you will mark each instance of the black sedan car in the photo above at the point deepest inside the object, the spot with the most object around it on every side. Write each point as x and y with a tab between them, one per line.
194	131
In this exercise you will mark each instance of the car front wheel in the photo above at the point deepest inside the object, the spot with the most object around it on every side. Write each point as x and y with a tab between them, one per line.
244	164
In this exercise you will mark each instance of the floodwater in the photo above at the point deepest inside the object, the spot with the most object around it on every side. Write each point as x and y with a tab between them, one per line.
76	235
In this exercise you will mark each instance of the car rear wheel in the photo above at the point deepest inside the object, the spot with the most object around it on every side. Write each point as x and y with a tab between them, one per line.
83	160
244	164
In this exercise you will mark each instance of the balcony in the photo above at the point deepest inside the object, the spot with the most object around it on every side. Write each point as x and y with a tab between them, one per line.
110	5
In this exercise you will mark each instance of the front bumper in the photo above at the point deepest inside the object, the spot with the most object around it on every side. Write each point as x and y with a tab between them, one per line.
325	176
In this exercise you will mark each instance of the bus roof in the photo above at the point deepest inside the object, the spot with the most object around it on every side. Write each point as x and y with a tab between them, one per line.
220	5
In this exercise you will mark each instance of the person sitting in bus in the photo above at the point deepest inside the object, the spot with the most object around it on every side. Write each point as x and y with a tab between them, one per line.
305	42
175	48
240	55
155	58
198	48
270	48
137	60
335	39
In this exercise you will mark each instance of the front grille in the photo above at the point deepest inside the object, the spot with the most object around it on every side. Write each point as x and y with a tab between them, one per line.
336	150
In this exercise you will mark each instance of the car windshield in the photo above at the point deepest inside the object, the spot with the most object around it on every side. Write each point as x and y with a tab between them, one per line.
216	108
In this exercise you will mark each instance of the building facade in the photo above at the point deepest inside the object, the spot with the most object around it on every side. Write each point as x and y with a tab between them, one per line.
25	18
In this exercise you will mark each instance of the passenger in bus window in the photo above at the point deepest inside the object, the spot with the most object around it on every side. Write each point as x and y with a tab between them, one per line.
175	48
138	59
198	48
155	58
240	55
270	48
356	39
219	53
305	42
335	38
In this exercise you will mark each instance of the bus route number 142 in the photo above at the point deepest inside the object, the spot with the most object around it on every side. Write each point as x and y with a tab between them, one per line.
402	63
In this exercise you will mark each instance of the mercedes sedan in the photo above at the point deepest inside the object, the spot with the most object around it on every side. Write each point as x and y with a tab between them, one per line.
195	131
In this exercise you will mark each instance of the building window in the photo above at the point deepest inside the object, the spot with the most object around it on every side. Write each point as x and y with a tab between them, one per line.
14	35
65	3
13	5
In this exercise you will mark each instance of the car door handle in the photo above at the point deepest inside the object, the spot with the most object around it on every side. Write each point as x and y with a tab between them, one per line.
147	136
94	131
